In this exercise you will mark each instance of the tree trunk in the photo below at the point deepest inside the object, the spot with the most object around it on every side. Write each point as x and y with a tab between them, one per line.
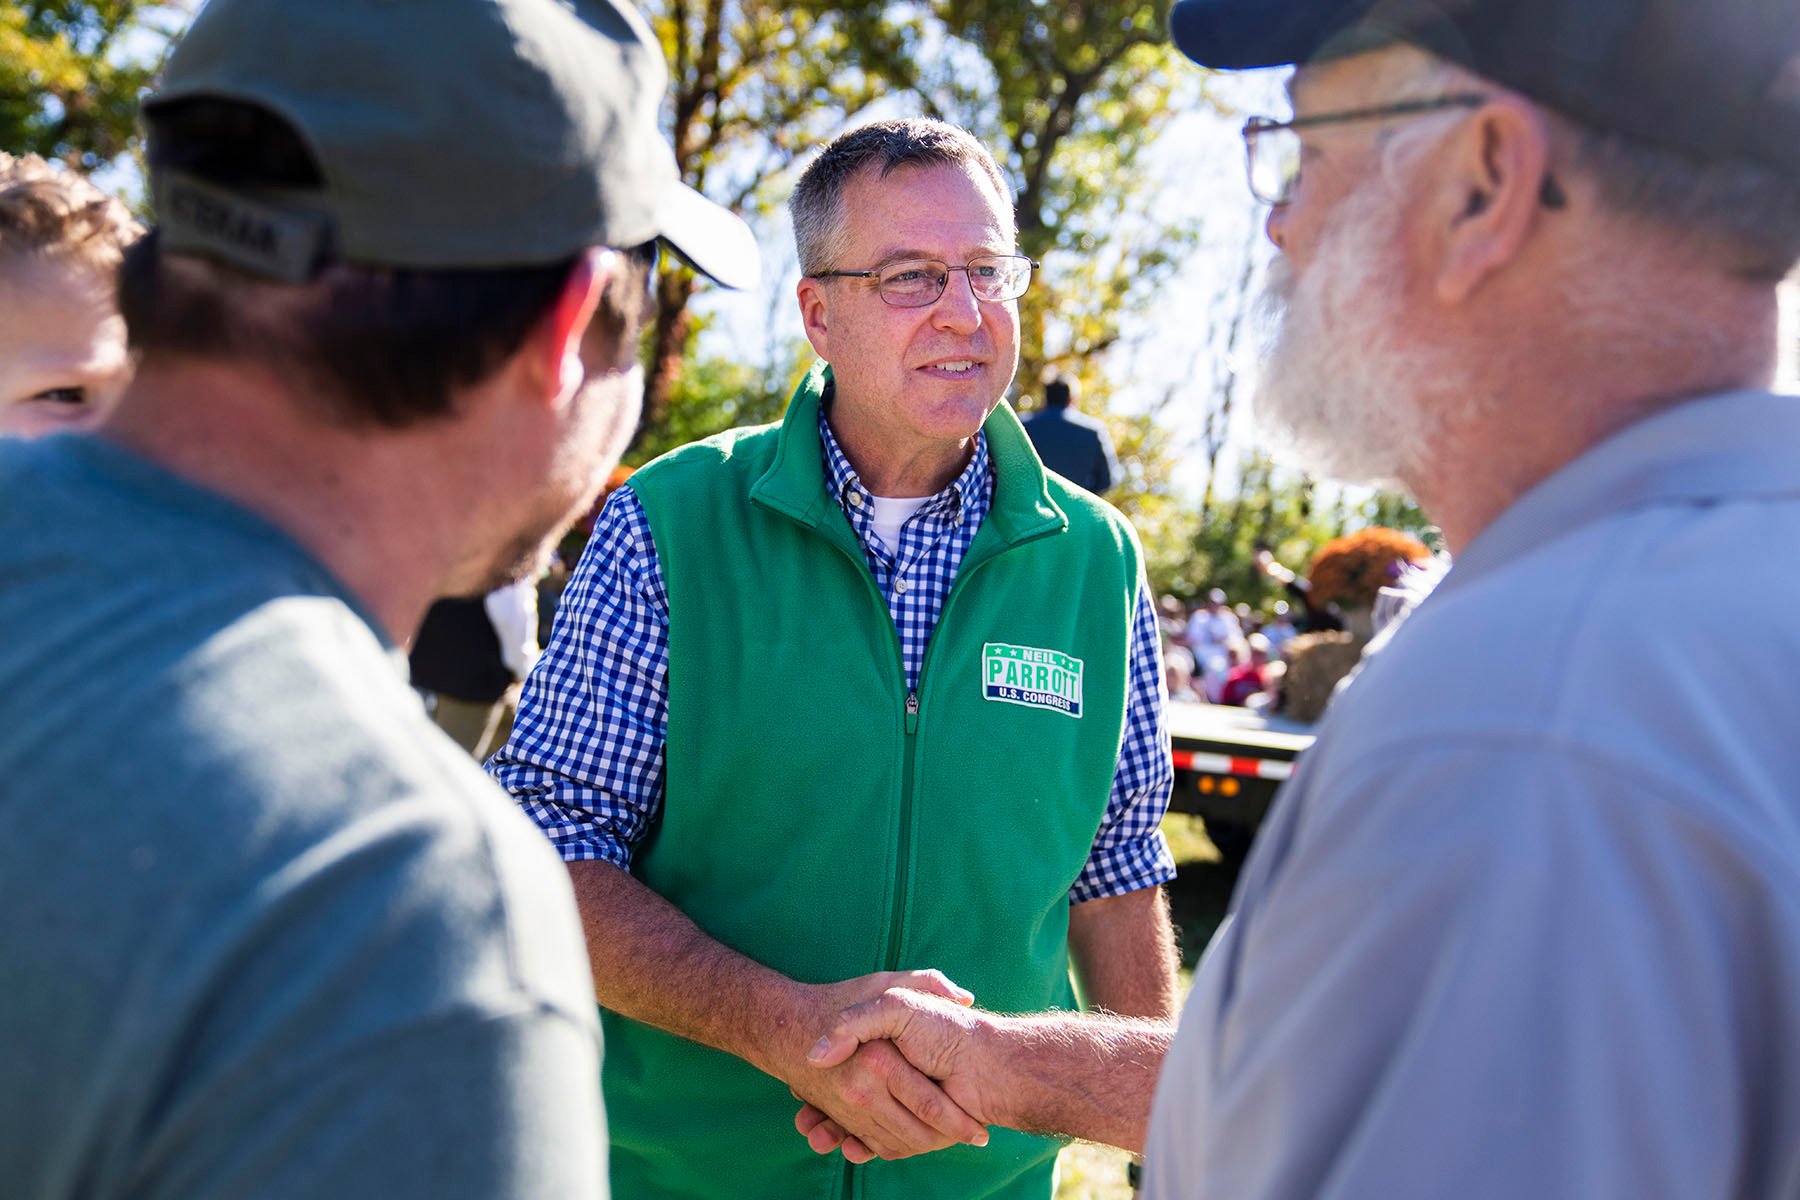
669	338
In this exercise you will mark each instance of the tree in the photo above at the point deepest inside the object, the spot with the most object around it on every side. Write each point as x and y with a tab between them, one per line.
1166	524
1268	506
755	85
1291	514
1068	98
711	394
72	71
1218	359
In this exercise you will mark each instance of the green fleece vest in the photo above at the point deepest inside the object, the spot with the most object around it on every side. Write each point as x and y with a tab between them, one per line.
823	821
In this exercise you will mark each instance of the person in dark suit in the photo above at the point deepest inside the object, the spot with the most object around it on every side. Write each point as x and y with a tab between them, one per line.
1075	446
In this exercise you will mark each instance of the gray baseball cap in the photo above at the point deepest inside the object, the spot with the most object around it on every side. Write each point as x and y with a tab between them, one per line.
450	134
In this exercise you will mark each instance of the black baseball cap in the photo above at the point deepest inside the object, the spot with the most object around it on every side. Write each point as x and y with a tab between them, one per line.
1713	80
450	134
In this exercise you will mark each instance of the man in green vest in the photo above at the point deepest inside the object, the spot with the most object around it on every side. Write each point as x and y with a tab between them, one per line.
1523	925
865	699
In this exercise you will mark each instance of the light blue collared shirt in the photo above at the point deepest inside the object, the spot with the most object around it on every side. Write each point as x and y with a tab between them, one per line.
1526	924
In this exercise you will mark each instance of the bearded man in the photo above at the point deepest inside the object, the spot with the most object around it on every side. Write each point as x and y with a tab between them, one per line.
1524	925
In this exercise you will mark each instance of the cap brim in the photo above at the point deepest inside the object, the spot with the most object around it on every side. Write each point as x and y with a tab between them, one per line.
1240	35
710	238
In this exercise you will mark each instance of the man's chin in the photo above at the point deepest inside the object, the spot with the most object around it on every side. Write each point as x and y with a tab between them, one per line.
528	557
1309	436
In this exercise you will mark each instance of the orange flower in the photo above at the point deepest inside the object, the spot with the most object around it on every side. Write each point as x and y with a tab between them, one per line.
1350	570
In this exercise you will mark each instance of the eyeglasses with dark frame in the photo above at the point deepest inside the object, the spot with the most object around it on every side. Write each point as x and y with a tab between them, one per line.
917	282
1272	148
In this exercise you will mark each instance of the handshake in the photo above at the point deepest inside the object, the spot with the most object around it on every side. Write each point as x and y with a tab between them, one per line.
907	1065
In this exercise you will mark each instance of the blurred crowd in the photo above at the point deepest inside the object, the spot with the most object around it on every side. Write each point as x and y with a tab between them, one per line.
1287	659
1224	653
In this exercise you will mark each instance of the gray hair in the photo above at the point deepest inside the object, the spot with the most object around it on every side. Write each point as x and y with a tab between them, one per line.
886	146
1745	216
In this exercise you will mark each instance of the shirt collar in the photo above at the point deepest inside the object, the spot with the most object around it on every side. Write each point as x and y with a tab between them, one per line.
964	502
1739	445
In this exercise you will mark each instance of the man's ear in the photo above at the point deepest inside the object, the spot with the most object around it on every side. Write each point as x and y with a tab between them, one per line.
811	295
555	349
1492	186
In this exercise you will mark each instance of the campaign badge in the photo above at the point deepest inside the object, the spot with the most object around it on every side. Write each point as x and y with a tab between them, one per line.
1031	676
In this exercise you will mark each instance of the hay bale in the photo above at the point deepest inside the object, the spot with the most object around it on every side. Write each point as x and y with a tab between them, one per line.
1316	663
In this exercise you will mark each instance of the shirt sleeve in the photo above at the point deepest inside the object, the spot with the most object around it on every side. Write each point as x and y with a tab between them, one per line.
1493	970
1130	851
585	759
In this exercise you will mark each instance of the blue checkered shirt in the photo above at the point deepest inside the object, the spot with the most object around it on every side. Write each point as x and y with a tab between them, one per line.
585	758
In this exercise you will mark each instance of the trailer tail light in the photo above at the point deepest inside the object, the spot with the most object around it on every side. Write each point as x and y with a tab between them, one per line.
1219	764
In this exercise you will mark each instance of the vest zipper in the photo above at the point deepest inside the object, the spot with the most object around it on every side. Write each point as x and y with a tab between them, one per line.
910	726
908	773
903	847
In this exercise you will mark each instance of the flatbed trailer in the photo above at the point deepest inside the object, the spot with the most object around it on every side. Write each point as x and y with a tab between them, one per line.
1229	762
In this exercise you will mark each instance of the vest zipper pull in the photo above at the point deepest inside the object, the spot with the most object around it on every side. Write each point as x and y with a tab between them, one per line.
912	712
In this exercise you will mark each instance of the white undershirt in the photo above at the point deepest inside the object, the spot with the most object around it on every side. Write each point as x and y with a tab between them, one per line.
513	612
890	514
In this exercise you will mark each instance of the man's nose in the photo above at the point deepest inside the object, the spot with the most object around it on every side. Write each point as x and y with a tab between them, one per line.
1274	225
957	308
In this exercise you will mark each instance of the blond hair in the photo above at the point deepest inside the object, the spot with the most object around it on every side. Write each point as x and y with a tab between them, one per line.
55	213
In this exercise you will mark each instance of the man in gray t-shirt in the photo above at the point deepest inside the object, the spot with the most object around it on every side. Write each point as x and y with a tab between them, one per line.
267	933
264	931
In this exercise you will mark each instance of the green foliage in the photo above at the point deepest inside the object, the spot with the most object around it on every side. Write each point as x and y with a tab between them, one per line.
756	84
1166	524
1069	98
1394	511
715	394
1288	513
71	72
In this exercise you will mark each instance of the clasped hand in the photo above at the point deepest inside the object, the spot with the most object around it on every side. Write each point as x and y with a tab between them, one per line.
875	1102
920	1037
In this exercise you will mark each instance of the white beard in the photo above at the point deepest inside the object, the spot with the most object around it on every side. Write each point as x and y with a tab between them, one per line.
1342	389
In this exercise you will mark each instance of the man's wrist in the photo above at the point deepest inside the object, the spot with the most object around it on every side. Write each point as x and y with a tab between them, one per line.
998	1044
1073	1074
790	1020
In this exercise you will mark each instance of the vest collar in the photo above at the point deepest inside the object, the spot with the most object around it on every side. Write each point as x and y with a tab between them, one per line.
795	482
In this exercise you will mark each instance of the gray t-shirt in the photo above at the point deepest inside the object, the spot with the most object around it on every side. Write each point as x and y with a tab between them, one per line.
264	931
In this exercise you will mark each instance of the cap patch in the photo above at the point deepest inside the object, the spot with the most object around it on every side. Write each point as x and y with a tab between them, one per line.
279	243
